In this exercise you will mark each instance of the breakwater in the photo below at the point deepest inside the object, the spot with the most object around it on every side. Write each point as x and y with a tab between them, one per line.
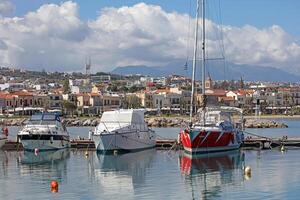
152	122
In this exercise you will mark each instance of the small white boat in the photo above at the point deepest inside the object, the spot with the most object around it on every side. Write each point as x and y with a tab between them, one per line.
123	130
44	132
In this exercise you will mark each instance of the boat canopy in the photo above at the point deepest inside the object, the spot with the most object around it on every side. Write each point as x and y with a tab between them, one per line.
130	116
224	109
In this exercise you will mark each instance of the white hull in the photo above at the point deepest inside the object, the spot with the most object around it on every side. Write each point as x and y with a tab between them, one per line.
44	145
130	141
2	142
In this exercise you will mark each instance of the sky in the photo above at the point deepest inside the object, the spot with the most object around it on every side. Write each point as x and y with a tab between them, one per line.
57	35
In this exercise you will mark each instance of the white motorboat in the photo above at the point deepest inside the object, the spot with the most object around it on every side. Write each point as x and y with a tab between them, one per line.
123	130
44	132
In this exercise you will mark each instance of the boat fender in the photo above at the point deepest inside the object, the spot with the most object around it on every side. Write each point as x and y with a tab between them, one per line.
51	139
179	138
115	152
91	135
36	151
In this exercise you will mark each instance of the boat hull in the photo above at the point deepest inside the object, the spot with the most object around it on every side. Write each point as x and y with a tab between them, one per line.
44	142
197	142
126	142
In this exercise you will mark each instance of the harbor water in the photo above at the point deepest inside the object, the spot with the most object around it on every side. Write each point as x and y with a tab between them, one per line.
153	174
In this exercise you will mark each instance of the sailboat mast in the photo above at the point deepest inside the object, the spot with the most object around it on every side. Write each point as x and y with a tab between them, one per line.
203	60
194	62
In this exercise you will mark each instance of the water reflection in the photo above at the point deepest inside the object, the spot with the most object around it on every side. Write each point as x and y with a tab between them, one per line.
45	165
208	174
124	172
3	163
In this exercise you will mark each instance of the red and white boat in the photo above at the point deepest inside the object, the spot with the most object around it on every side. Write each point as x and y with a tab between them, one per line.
216	133
215	130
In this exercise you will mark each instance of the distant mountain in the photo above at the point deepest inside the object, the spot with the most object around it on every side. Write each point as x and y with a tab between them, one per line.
139	69
217	70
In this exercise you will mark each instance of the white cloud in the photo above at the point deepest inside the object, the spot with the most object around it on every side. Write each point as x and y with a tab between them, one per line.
55	38
6	7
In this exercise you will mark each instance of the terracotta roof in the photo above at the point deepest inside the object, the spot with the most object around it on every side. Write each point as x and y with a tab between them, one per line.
166	90
95	94
226	98
22	93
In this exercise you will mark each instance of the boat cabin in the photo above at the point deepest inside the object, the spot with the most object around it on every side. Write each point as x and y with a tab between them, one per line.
221	117
44	119
122	119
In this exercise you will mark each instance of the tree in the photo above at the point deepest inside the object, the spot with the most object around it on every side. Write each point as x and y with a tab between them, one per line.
69	107
66	86
242	83
132	101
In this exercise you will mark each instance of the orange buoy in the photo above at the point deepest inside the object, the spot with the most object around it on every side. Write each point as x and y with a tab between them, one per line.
54	186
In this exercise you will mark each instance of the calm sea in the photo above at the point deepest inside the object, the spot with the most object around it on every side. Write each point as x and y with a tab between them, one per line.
153	174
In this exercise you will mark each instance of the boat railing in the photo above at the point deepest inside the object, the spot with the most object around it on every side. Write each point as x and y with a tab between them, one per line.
38	126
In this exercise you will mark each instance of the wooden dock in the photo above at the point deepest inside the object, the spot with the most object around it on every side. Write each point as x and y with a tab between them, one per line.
165	144
171	144
268	143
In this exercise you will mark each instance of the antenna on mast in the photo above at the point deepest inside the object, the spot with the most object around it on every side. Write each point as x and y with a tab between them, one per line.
88	65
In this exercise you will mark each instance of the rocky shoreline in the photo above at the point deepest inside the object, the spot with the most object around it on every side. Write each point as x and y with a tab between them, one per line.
153	122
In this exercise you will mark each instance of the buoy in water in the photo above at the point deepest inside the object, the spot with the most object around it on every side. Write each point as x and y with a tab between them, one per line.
54	186
282	148
36	151
247	171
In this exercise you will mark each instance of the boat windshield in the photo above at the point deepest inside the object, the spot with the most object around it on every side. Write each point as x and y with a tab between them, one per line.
215	117
43	119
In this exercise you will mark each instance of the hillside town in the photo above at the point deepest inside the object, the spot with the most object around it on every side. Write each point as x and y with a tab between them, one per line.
27	92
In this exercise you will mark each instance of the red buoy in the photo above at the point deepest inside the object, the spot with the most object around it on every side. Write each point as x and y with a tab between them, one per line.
54	186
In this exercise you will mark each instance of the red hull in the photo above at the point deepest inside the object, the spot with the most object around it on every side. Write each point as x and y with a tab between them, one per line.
208	141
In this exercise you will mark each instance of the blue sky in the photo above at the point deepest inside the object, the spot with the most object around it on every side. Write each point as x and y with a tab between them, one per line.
259	13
